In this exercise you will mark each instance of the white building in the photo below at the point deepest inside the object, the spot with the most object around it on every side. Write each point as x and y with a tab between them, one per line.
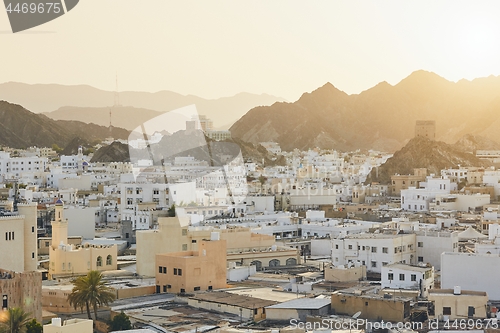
430	245
459	202
374	250
418	199
471	271
401	276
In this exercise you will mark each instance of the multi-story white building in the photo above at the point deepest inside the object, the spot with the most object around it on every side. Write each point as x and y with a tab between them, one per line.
418	199
19	167
430	245
374	250
401	276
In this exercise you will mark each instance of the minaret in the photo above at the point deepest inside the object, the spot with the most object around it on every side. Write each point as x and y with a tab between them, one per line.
59	226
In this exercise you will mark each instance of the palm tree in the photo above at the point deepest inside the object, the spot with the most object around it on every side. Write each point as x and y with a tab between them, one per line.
89	291
15	320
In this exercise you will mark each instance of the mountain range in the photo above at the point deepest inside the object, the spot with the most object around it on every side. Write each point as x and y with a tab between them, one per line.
21	128
382	117
76	102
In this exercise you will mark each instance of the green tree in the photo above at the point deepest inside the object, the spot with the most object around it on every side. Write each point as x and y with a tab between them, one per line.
89	291
15	320
120	322
171	211
56	148
34	327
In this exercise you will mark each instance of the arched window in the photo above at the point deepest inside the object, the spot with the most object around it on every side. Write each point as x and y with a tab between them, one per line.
291	262
99	261
274	263
109	260
257	263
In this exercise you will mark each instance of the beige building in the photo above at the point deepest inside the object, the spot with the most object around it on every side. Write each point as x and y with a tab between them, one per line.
458	304
247	307
404	182
69	326
22	290
343	274
175	235
67	259
18	244
188	271
373	307
44	243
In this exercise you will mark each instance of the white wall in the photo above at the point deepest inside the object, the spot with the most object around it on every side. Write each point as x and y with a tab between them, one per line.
81	221
470	271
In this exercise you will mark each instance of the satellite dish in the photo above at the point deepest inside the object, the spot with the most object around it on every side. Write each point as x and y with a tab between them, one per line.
356	315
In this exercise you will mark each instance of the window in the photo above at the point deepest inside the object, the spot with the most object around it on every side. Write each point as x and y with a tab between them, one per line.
390	276
420	259
109	260
183	291
32	229
164	270
193	241
350	247
184	247
414	277
374	249
401	277
420	244
184	232
336	246
47	244
160	269
164	288
175	271
385	250
4	302
374	264
197	288
32	255
446	310
99	261
179	271
385	263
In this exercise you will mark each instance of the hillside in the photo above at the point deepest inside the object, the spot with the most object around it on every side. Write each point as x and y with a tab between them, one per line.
115	152
21	128
382	117
184	143
423	153
49	97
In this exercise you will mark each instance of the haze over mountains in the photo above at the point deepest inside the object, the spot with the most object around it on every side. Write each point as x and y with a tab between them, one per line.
78	101
382	117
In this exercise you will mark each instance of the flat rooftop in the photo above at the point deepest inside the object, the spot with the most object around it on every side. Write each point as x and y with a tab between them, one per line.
222	297
449	292
269	294
303	303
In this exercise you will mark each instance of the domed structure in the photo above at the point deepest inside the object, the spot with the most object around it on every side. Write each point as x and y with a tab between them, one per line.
59	202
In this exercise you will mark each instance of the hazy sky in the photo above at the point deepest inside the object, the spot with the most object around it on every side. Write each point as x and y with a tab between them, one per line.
219	48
